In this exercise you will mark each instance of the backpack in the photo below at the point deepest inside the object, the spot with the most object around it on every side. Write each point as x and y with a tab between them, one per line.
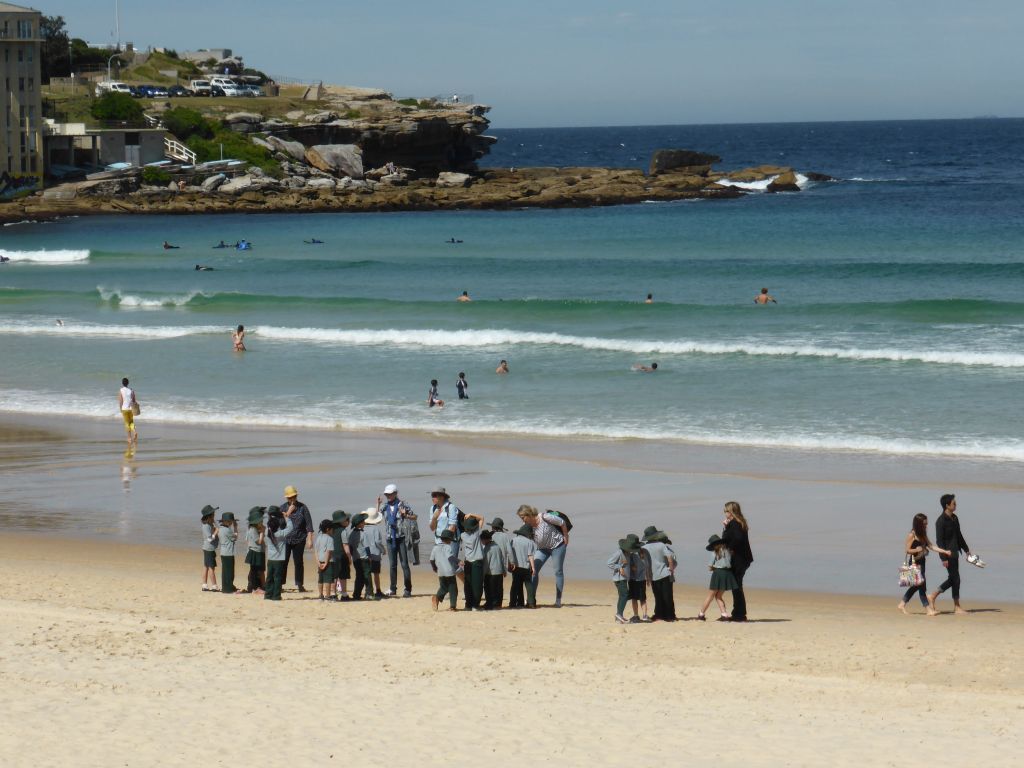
565	518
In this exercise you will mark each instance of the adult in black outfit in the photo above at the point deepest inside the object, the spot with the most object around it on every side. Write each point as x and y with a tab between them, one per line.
301	537
735	537
948	536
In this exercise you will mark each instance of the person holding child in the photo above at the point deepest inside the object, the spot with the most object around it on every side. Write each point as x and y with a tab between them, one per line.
209	548
254	555
721	576
445	563
279	527
227	535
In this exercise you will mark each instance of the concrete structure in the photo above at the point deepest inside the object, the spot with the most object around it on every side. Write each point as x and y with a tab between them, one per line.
204	54
73	145
21	105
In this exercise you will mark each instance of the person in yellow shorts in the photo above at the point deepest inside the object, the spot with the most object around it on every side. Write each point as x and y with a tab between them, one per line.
129	406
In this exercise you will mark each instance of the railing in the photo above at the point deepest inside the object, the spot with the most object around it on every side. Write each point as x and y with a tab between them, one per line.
152	121
178	151
455	99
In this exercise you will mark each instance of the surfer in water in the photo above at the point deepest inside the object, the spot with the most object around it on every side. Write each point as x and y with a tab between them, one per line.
169	247
645	368
764	297
238	338
201	268
221	244
60	323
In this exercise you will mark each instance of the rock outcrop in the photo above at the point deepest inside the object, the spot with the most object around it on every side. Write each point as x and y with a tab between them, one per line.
681	161
339	159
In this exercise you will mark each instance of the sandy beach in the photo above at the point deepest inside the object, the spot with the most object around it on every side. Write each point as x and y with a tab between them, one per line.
111	655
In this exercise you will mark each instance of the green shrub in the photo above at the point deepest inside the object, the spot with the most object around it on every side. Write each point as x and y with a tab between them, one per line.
409	103
157	177
236	147
353	114
186	123
116	106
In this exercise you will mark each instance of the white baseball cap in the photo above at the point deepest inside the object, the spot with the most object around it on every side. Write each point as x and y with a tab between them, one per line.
390	488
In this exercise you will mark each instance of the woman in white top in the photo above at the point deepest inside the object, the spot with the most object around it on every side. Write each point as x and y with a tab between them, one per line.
129	406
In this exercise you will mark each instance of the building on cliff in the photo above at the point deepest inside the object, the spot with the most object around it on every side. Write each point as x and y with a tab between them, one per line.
21	107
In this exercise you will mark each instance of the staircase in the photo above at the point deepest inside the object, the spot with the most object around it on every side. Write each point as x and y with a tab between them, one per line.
175	150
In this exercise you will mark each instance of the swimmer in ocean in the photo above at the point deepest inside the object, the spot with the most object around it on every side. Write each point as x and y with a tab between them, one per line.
764	297
432	396
649	299
60	323
645	368
221	244
201	268
502	368
464	296
168	246
238	338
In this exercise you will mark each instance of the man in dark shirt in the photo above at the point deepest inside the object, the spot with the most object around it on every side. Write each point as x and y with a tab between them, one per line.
948	536
301	537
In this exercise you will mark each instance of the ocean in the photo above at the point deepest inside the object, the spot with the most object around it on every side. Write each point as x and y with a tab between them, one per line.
899	327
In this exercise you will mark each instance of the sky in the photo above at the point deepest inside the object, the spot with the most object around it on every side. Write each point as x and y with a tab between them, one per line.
599	62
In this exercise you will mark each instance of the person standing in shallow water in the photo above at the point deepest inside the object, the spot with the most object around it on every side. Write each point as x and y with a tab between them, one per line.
502	368
735	536
128	404
764	298
238	338
462	386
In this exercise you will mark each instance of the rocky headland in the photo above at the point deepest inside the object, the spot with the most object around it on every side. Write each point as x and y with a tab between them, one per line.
368	152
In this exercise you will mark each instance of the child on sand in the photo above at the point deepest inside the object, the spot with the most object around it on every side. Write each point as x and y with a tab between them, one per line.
445	564
619	564
227	535
360	561
323	546
495	566
254	554
722	578
662	561
471	558
523	568
209	549
639	578
373	544
342	557
279	525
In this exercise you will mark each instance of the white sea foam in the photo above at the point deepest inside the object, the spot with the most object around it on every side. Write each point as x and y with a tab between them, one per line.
95	330
762	186
503	338
875	181
132	301
324	417
47	257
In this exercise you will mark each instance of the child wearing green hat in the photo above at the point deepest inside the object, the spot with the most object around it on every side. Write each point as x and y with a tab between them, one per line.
227	535
323	546
495	566
209	549
279	526
341	558
523	569
471	558
639	578
445	564
360	558
619	565
254	554
722	577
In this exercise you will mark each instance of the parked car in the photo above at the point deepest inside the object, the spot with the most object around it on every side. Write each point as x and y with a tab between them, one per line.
111	86
216	90
176	91
253	90
153	91
200	88
229	86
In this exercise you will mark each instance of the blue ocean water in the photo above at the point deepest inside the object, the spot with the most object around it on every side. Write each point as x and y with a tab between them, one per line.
900	310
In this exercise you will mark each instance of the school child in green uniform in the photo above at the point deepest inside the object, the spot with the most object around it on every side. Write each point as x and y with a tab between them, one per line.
323	546
619	564
341	558
502	538
639	578
227	535
523	549
254	554
662	561
209	549
373	544
495	566
471	558
445	564
279	526
722	578
360	558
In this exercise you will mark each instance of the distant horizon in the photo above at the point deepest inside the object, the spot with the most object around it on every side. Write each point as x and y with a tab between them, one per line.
759	122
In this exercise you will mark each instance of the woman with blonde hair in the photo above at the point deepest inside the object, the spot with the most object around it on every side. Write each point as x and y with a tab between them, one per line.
551	535
735	537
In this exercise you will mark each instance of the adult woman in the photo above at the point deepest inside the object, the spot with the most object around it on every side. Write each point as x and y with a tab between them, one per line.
735	537
917	546
551	535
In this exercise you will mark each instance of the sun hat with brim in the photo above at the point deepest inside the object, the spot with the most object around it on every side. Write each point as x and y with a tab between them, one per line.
650	530
470	524
256	510
657	536
713	541
525	530
358	519
446	535
208	510
373	515
632	537
255	515
440	491
497	524
274	511
629	545
227	517
390	488
290	491
340	516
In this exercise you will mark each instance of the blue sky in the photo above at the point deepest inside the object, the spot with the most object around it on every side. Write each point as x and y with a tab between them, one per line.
596	62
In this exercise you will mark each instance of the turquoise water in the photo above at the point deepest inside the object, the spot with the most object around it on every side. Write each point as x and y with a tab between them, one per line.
899	327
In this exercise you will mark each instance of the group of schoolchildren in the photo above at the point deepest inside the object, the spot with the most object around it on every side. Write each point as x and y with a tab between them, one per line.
479	558
650	562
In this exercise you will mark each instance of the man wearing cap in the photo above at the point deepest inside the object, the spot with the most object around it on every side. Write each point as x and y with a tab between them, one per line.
301	537
396	512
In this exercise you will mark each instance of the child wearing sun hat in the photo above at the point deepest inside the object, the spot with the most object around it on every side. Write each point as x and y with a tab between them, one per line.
254	554
340	560
523	549
209	548
619	565
445	564
323	547
227	535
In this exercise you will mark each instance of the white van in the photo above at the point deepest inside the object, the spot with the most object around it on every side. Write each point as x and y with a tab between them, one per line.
199	87
111	86
229	86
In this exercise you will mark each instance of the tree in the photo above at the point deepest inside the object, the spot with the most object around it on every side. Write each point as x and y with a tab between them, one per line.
116	106
186	123
54	52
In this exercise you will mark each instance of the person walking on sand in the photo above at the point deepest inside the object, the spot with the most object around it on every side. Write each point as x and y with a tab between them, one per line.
735	535
949	537
238	338
301	536
764	298
721	576
917	547
128	404
396	512
502	368
551	534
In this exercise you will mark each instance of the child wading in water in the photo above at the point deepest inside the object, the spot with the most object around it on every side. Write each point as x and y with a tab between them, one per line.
433	398
209	549
462	386
254	554
722	578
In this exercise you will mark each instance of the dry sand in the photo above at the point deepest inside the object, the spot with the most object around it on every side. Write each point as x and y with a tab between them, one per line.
111	655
